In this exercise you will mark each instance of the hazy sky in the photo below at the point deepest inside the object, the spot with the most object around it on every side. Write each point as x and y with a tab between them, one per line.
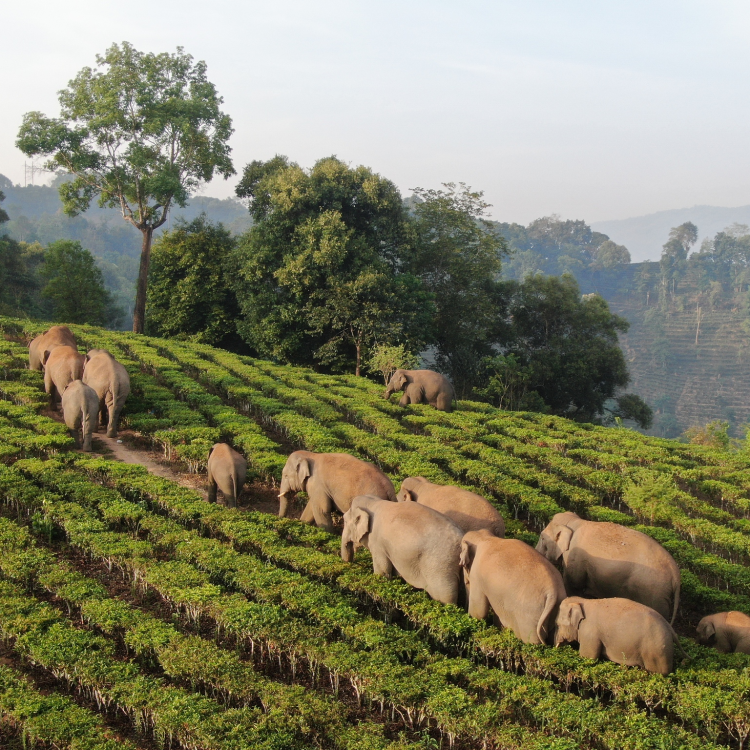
589	109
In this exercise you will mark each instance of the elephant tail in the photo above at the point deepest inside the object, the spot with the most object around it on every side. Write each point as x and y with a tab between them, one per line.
549	606
676	602
676	640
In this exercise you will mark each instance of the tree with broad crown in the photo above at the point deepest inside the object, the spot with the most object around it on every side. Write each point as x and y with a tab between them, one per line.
142	134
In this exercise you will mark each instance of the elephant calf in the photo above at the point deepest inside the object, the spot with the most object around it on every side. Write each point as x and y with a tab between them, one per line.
227	470
523	589
55	336
331	480
62	365
111	382
80	406
420	386
728	632
469	511
602	559
620	630
419	543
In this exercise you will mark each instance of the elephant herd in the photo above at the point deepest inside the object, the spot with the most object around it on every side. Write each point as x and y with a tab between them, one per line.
618	592
616	597
90	386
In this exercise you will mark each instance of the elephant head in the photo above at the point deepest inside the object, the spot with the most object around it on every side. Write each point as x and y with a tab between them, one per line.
294	477
397	382
356	529
706	631
568	621
409	489
554	541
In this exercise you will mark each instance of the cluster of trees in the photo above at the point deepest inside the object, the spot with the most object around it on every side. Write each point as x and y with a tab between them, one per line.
337	268
60	282
334	264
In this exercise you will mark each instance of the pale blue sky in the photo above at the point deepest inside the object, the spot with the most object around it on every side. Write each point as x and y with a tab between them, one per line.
589	109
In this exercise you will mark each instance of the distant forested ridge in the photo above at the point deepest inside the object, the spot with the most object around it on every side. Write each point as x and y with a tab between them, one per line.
36	216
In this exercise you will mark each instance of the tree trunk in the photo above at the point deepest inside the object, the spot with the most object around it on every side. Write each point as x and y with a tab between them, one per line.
359	357
139	313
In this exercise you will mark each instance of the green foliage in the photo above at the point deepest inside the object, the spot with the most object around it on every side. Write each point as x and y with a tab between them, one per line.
141	134
189	295
321	274
74	286
387	359
715	434
458	257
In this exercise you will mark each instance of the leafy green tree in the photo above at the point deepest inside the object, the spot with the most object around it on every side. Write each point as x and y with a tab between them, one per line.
386	359
610	255
3	214
569	344
189	292
323	274
673	261
508	384
459	259
141	134
75	287
629	406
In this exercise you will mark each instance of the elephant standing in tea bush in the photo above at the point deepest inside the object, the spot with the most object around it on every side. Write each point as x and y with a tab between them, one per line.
419	543
55	336
728	632
422	386
62	365
80	406
602	559
227	470
111	382
331	481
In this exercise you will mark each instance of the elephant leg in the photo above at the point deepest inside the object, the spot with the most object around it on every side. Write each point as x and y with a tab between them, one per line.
445	592
590	647
113	414
479	604
307	514
444	403
323	517
381	564
575	578
404	400
211	488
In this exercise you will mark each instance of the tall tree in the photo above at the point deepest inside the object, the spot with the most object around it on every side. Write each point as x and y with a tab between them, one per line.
459	258
141	133
674	255
323	272
189	294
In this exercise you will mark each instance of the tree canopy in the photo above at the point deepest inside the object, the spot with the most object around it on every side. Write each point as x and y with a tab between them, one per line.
140	133
325	271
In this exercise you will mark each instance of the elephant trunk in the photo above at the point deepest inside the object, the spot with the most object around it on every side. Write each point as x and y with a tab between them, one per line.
283	504
347	550
388	392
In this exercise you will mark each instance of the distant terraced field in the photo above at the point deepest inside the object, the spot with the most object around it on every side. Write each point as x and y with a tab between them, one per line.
135	614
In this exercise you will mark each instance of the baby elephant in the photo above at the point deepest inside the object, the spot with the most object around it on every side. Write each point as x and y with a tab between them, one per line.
227	470
523	589
420	386
620	630
469	511
728	632
421	544
80	406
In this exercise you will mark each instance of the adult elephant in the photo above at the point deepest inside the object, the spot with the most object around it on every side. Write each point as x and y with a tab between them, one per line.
55	336
62	365
330	480
469	511
111	382
226	471
602	560
523	589
419	543
422	386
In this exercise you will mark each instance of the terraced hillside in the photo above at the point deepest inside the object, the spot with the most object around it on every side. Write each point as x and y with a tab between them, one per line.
135	614
695	384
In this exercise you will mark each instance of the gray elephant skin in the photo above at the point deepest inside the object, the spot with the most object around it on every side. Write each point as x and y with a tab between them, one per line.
602	560
80	407
469	511
617	629
523	589
62	365
727	632
111	382
227	470
419	543
422	386
331	481
55	336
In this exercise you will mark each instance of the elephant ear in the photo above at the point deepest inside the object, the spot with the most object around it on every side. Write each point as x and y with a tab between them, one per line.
706	630
576	615
401	379
468	550
361	524
407	495
45	356
563	540
303	471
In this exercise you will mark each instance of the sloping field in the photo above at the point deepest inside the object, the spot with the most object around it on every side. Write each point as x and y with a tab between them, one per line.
134	614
